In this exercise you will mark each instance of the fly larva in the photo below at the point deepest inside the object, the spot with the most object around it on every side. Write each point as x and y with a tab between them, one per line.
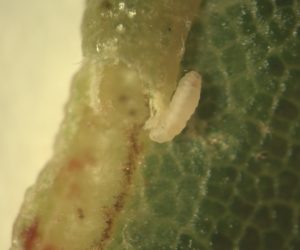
173	120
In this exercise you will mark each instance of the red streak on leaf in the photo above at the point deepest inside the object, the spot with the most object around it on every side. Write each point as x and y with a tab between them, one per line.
79	162
74	165
30	235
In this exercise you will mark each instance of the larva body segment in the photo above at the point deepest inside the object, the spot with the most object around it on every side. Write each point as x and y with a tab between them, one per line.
181	108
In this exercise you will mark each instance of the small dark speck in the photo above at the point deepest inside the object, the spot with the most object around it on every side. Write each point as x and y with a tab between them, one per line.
262	155
132	112
169	29
80	213
106	5
123	98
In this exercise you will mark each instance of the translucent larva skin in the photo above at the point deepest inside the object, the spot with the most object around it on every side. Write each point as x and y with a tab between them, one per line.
180	110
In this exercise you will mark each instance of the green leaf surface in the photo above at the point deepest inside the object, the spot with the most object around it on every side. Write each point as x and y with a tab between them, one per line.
231	180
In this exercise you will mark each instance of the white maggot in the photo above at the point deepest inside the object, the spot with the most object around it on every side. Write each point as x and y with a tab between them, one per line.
183	104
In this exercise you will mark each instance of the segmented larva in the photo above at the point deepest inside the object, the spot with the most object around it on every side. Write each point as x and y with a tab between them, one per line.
183	104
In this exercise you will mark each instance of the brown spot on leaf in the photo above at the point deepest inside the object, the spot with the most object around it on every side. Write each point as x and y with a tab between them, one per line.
107	5
123	98
79	162
120	201
80	213
30	235
132	156
108	229
74	165
132	112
